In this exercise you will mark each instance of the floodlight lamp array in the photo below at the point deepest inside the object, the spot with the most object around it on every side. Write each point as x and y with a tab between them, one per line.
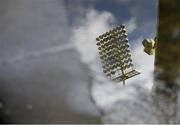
114	51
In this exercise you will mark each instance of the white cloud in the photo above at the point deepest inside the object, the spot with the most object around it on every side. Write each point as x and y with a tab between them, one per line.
84	38
131	25
94	24
144	63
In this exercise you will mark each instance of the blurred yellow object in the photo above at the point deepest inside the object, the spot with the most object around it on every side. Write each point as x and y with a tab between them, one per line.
149	46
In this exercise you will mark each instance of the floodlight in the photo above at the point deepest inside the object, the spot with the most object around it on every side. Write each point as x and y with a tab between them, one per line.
114	51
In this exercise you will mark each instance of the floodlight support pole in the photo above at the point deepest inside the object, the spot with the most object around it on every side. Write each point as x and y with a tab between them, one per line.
121	65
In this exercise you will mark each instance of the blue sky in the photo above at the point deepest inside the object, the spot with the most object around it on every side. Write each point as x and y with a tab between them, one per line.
144	12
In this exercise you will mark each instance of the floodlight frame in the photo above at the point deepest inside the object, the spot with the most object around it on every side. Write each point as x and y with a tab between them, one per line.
114	50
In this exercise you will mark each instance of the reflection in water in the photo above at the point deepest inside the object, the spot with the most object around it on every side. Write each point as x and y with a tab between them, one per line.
52	87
